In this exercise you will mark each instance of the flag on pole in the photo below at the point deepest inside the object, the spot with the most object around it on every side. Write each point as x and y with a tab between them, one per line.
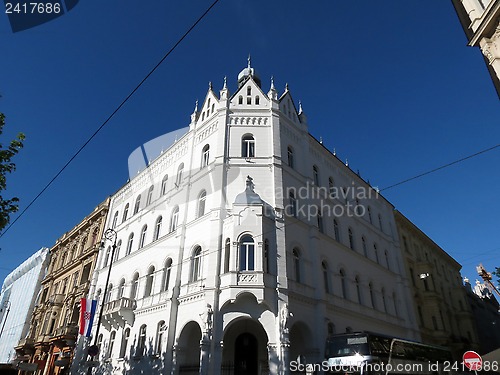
87	313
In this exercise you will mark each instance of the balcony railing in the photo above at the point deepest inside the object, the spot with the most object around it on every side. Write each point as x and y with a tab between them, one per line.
56	300
70	330
118	312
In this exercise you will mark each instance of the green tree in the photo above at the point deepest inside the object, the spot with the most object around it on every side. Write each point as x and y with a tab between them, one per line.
497	274
7	206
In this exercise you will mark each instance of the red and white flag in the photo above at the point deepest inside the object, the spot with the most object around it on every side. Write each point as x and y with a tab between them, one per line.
87	313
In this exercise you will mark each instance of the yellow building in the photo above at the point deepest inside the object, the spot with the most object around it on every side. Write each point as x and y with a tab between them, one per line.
54	325
442	309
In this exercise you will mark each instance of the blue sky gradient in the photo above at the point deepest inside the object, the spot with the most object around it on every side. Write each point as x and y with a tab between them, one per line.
390	85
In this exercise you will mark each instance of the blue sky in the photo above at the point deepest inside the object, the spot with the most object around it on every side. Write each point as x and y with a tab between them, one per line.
390	85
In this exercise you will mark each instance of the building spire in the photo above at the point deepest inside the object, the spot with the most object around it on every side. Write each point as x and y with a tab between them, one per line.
272	94
196	106
272	83
225	83
249	60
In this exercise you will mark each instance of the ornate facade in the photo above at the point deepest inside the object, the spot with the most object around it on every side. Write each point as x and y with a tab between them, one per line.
441	305
54	324
242	246
480	20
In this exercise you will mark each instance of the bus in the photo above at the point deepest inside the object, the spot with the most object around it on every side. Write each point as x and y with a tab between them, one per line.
368	353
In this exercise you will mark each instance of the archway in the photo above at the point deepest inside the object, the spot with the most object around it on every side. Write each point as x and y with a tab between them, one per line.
301	342
245	349
188	349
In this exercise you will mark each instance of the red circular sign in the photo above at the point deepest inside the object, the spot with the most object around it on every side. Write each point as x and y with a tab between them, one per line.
472	360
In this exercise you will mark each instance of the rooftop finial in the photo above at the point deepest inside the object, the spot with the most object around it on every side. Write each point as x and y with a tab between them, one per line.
334	152
321	140
346	162
196	106
249	58
300	107
210	85
272	83
225	83
286	87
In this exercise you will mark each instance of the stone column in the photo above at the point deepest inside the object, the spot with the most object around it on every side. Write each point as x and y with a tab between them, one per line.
175	354
272	358
204	354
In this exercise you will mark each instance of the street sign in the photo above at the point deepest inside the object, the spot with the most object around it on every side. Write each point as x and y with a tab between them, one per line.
472	360
93	350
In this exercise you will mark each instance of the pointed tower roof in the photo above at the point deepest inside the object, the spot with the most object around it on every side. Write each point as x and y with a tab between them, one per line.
245	73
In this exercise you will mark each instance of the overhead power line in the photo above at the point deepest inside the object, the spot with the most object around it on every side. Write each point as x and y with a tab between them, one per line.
110	116
441	167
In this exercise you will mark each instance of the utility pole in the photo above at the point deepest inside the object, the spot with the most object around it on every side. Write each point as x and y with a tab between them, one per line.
486	276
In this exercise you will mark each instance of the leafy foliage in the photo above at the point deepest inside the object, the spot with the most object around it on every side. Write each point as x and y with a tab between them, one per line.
497	274
8	206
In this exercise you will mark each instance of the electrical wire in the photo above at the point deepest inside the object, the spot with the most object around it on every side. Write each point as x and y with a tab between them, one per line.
110	117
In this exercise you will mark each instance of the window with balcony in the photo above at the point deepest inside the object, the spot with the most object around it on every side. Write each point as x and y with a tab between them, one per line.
124	343
167	270
161	333
149	282
135	286
142	239
141	342
248	146
158	224
130	243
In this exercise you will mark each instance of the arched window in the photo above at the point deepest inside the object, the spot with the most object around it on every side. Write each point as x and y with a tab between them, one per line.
135	286
247	254
319	218
115	220
372	295
384	303
112	338
180	171
161	331
375	250
174	219
315	175
149	281
293	204
137	204
142	240
358	289
201	203
117	251
249	90
227	255
167	270
395	302
296	264
106	257
331	187
336	230
121	288
257	100
109	292
157	228
291	163
150	195
95	233
124	344
205	156
343	283
164	185
196	264
363	242
326	282
141	342
130	242
125	213
380	222
370	215
240	99
386	254
351	239
248	146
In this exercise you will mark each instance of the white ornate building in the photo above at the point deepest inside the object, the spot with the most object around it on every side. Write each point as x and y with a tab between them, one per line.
224	264
480	20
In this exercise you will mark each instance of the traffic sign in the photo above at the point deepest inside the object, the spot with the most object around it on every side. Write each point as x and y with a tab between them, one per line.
472	360
93	350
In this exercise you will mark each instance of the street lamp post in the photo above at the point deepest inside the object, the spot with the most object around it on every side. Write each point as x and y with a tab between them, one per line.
5	306
110	235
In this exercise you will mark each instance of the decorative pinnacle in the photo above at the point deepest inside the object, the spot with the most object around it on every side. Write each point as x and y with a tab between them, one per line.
286	87
334	152
249	58
196	106
272	83
300	107
225	83
210	85
321	140
346	162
